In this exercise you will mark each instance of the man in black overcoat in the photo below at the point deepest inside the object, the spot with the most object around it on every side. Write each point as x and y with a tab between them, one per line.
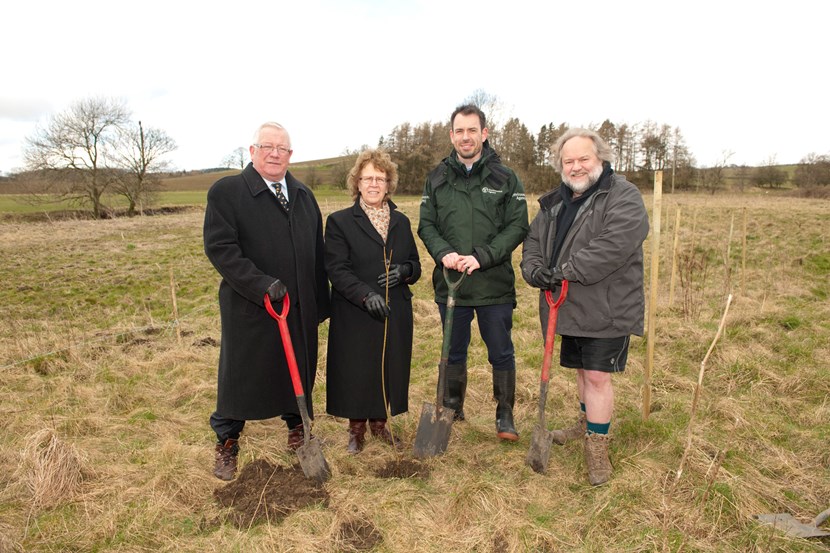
264	235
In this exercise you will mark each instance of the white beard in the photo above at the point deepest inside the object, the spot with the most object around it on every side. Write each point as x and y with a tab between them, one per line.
593	177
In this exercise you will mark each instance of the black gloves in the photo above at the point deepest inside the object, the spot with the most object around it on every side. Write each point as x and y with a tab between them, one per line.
397	275
277	291
376	307
546	279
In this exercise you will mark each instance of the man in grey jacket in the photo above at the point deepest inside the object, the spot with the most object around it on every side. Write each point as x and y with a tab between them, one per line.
590	232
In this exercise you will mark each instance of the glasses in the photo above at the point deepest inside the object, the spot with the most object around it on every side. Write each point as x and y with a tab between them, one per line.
368	180
268	148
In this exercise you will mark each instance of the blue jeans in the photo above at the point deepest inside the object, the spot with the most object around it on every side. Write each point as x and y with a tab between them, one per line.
495	323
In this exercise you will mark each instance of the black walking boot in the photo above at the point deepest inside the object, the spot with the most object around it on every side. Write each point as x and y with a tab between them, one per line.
504	392
456	389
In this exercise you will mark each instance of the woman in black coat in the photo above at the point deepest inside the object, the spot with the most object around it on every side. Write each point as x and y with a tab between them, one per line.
370	256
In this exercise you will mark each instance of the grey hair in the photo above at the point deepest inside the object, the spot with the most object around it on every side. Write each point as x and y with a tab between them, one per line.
601	148
272	125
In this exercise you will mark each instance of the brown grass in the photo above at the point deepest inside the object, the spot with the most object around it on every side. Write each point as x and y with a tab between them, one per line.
51	469
99	394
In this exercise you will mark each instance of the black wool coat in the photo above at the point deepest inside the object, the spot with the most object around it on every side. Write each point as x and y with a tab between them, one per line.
251	242
354	258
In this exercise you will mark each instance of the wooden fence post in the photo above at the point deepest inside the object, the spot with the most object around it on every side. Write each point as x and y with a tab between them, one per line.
175	308
673	280
652	304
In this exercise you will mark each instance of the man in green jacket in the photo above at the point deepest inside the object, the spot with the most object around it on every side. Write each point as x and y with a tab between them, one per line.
473	215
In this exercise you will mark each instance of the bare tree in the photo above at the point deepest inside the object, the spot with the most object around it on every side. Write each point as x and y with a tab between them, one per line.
813	170
679	155
627	147
312	178
714	177
74	150
769	174
340	171
493	109
237	158
740	177
140	158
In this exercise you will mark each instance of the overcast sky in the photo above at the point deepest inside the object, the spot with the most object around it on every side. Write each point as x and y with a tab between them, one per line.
736	76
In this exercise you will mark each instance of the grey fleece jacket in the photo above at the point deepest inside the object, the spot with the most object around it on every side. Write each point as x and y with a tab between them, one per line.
602	258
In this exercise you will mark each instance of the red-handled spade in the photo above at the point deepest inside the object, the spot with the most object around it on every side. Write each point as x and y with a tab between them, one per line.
539	453
311	455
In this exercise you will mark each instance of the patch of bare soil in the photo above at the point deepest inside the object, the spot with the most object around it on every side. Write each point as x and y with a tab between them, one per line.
208	341
358	535
264	492
500	544
403	468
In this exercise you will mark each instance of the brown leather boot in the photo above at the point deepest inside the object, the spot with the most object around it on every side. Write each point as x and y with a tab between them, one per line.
357	435
380	431
295	437
224	467
574	432
596	458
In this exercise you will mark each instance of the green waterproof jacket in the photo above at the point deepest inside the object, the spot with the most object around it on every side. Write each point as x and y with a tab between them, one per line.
483	213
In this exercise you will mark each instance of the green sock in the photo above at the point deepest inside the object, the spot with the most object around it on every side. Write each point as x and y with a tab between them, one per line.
597	428
582	407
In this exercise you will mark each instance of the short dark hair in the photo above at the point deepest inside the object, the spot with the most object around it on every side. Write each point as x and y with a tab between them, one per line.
469	109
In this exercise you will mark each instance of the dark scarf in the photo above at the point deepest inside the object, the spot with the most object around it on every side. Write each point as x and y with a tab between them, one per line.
570	207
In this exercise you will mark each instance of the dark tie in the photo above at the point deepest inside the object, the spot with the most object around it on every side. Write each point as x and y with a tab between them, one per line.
280	196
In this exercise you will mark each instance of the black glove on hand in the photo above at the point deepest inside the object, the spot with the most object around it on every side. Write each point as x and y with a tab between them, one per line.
546	279
397	275
540	278
376	307
556	277
277	291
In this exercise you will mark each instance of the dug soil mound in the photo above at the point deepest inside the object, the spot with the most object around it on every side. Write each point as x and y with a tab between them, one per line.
265	492
403	468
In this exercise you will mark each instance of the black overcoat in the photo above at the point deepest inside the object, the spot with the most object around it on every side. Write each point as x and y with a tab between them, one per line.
354	258
251	241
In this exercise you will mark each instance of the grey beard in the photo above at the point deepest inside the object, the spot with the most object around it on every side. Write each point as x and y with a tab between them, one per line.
593	177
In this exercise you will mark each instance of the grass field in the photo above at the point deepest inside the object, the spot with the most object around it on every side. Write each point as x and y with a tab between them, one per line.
106	396
179	192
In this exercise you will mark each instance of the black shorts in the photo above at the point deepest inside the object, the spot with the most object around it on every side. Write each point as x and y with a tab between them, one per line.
594	354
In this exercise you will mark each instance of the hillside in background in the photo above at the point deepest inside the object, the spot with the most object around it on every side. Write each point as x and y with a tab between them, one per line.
313	173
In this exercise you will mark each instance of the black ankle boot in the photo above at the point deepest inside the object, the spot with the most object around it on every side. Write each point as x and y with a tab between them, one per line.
456	389
504	392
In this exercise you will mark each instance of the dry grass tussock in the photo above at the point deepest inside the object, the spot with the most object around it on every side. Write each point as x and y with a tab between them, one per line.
105	406
51	469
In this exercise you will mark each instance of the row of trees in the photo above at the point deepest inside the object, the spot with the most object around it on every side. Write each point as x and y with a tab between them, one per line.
94	148
639	150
